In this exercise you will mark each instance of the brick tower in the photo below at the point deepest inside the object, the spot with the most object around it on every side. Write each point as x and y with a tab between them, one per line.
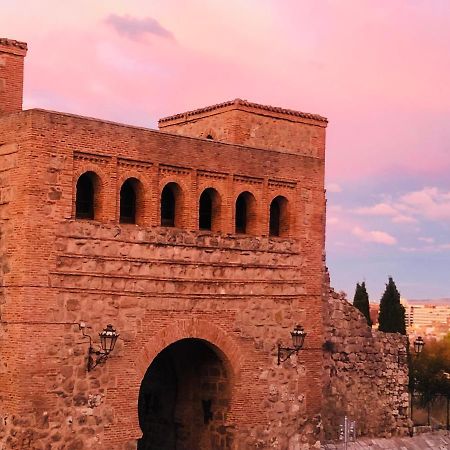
12	55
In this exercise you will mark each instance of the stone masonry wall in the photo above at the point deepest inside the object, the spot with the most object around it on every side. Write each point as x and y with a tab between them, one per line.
241	293
363	377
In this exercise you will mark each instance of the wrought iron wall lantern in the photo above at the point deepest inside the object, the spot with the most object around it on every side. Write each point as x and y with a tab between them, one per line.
108	339
298	338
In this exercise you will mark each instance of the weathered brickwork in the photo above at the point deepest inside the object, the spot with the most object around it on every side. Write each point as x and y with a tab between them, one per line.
365	374
243	122
199	312
11	75
107	223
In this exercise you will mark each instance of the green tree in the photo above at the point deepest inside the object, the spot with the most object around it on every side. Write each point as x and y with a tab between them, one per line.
361	301
392	313
430	371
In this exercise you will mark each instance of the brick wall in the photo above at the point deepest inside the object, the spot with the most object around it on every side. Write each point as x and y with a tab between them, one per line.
157	285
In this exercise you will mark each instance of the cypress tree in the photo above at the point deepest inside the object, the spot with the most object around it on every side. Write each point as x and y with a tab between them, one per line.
361	301
392	312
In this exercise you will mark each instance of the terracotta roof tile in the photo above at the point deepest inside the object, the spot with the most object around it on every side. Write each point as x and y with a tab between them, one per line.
246	103
13	43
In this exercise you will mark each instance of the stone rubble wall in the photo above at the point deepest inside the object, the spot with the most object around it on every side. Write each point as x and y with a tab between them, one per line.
363	375
245	299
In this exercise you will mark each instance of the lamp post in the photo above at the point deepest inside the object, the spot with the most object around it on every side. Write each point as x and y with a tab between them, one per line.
446	376
419	343
298	335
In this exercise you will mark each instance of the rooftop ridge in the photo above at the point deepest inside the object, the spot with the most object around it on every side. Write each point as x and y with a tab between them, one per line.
13	43
240	102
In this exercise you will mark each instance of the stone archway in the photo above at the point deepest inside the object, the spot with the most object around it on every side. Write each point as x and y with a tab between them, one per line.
184	398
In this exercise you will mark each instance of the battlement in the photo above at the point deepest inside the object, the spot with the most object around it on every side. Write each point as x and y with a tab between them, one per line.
12	54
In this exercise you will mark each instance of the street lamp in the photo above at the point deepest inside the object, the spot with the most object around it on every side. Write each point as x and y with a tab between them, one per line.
418	345
298	335
108	339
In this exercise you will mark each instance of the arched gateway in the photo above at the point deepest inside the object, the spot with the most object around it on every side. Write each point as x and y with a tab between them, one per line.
184	398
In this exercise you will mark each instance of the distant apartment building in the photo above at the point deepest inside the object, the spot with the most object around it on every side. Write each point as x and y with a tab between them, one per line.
426	318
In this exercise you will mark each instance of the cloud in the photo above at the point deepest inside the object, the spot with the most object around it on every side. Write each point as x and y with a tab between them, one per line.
136	28
431	203
380	209
386	210
401	218
427	240
379	237
334	187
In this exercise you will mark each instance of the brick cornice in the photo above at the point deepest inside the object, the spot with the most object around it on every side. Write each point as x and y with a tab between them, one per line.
12	46
240	104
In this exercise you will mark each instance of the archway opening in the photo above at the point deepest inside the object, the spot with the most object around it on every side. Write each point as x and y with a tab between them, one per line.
278	217
86	197
171	205
245	214
184	399
209	210
130	201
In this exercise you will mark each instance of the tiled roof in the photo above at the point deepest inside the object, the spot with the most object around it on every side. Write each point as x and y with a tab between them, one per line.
246	103
13	43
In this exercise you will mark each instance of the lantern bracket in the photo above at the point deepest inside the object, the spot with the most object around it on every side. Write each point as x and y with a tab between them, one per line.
298	338
108	338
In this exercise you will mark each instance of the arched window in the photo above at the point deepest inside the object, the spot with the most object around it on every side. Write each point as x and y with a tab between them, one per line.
130	196
278	217
86	192
245	214
209	210
209	137
171	205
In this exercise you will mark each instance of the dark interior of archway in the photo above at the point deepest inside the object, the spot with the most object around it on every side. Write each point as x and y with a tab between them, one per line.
168	207
184	399
205	211
127	203
241	214
84	203
274	220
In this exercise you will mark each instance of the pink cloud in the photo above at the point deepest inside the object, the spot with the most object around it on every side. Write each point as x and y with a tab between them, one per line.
379	237
380	209
430	203
333	187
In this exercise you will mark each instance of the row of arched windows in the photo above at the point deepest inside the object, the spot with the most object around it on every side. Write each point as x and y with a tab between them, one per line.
209	213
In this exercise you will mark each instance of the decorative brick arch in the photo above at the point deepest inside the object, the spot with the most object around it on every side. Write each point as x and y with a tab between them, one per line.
180	329
190	328
98	186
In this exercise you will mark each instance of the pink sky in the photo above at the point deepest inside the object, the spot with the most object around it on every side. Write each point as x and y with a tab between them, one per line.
379	70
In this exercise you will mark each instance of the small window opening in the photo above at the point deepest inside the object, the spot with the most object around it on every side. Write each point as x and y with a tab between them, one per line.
84	202
209	137
274	225
168	206
205	211
241	214
128	202
278	217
